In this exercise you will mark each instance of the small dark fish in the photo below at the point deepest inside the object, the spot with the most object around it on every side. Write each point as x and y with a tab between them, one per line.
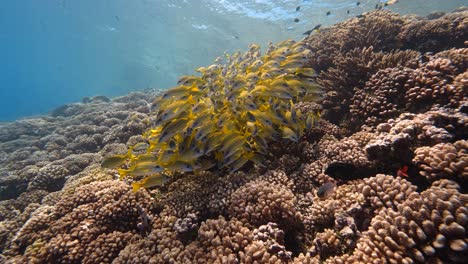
236	37
298	8
117	18
307	32
340	170
296	20
376	6
144	226
317	27
328	13
326	190
347	12
360	16
358	3
435	15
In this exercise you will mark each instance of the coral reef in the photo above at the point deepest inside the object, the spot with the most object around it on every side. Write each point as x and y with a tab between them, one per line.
349	54
81	228
380	178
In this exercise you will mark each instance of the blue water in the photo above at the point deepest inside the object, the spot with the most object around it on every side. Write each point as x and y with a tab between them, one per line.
57	51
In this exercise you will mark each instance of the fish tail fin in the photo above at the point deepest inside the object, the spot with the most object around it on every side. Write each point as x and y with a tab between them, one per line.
122	173
136	186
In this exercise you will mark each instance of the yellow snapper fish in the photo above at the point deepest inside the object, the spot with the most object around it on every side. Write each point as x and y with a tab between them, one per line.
191	154
141	169
147	157
288	133
180	166
307	72
201	70
171	114
295	63
204	129
215	140
299	48
189	80
287	42
227	116
151	181
255	65
115	161
172	128
279	57
282	51
269	65
142	146
203	165
201	120
241	161
166	157
180	91
310	121
299	56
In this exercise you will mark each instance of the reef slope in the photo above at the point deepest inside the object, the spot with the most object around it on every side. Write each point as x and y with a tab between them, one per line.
392	140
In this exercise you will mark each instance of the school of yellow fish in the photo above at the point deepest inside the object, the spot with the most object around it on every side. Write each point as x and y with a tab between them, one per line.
227	116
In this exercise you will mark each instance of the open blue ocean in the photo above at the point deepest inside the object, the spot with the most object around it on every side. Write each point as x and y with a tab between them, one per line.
59	51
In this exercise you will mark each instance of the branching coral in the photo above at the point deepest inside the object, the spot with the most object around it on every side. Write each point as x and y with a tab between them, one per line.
351	72
260	202
396	139
348	54
428	227
376	29
432	83
435	35
346	200
384	191
443	160
381	98
68	228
